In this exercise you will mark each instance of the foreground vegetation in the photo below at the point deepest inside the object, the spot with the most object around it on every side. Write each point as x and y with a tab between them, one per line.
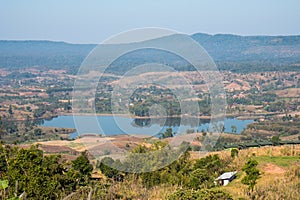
32	174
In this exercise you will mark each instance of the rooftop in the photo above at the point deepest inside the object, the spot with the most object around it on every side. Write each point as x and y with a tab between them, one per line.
226	175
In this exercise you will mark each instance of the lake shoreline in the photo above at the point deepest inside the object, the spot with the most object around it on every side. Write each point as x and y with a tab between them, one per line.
243	117
122	124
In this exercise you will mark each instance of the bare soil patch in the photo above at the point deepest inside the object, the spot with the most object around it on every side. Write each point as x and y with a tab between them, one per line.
273	169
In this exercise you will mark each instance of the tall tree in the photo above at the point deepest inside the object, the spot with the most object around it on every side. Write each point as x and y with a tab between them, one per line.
252	174
233	129
10	111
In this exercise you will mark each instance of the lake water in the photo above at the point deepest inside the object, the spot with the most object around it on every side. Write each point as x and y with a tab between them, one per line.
116	125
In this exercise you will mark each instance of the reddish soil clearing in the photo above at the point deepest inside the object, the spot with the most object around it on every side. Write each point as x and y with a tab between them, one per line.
273	169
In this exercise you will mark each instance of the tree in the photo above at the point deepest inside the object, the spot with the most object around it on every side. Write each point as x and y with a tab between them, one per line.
200	179
233	129
275	139
30	171
28	108
83	166
234	152
168	133
37	132
10	111
212	164
27	122
68	105
252	173
106	167
1	127
221	128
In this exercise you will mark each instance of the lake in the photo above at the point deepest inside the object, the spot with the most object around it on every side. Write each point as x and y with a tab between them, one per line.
116	125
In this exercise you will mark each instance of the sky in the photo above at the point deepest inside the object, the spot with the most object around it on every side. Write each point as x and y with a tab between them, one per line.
92	21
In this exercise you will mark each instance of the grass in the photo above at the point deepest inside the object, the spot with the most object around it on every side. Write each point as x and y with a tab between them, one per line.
237	189
75	145
268	185
282	161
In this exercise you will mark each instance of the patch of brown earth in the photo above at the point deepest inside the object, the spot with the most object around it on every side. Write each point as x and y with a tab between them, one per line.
273	169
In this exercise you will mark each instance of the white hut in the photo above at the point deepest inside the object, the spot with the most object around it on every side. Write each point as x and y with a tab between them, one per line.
225	178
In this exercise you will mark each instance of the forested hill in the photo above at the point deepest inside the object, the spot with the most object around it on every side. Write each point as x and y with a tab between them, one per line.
55	55
230	52
233	52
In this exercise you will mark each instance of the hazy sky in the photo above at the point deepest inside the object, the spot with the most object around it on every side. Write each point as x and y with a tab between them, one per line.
92	21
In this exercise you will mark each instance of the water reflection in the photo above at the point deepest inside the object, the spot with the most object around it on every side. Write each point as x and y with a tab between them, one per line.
170	122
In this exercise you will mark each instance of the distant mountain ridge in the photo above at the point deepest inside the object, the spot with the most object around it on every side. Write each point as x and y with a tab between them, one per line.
225	47
230	52
42	53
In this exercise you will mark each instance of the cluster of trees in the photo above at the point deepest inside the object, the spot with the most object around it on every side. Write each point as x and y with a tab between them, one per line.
141	107
30	173
167	134
281	127
275	106
254	99
103	105
7	127
195	178
166	99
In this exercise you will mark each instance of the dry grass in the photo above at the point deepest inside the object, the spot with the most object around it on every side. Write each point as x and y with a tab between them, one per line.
280	173
290	92
133	189
291	137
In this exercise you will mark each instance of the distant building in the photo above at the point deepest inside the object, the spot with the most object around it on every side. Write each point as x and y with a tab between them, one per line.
225	178
97	176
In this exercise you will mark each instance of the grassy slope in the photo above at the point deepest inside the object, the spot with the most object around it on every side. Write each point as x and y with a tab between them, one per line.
276	164
277	172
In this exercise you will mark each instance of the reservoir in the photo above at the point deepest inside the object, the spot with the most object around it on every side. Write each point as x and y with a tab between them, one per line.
116	125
